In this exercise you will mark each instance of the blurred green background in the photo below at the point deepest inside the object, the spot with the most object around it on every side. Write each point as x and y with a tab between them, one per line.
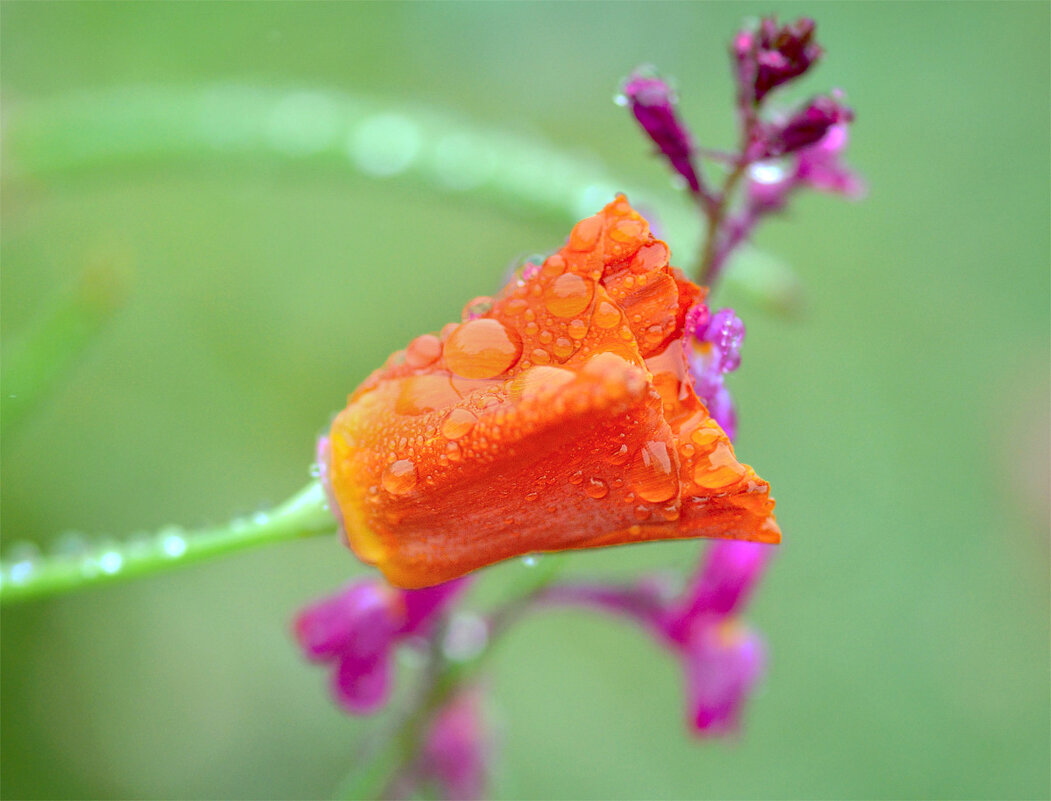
902	420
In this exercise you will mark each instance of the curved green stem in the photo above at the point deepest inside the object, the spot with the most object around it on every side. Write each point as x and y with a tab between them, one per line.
332	131
306	514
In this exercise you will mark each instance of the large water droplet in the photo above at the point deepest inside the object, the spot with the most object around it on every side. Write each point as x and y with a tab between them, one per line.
423	350
719	470
585	233
606	315
458	423
596	488
568	295
482	348
399	477
653	473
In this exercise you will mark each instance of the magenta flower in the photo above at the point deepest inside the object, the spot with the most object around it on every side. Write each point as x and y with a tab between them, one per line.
722	661
358	629
819	166
773	55
455	754
804	128
716	351
653	103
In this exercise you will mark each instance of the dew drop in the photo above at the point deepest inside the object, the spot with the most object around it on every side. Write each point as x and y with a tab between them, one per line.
577	477
515	306
399	477
540	356
110	562
585	233
529	560
653	473
452	452
423	350
641	512
577	329
458	423
563	348
606	315
620	455
719	470
568	295
531	496
596	488
482	348
476	307
173	543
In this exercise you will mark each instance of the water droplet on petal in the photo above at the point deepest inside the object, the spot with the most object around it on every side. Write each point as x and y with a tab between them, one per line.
423	350
529	560
606	315
476	307
596	488
577	329
585	233
568	295
399	477
563	348
719	470
458	423
482	348
653	473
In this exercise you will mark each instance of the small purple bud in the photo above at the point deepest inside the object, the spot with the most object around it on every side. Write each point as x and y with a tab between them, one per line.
723	662
653	104
730	572
455	753
697	319
804	128
721	407
772	55
726	333
821	167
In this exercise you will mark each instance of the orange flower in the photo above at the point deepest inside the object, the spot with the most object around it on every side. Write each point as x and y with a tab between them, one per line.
558	415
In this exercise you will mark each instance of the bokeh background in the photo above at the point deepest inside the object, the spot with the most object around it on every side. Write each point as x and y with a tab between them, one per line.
902	418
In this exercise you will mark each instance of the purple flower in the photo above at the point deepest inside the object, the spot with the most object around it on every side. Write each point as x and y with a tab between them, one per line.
455	753
818	166
806	127
772	55
721	660
358	628
653	104
716	351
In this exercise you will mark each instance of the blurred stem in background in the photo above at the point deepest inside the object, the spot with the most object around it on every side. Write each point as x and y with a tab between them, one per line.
34	362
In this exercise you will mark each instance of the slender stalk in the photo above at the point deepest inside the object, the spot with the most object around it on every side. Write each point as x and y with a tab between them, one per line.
306	514
707	267
443	678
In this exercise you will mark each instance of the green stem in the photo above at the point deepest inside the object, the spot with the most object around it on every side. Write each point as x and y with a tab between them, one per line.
306	514
443	679
35	361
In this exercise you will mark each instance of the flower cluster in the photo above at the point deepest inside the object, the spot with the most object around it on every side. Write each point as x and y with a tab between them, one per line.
722	659
358	629
780	150
582	406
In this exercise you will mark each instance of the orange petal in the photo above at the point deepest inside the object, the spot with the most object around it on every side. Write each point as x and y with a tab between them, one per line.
558	415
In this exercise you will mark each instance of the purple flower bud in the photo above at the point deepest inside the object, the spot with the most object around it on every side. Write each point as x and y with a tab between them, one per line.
726	333
653	104
771	55
730	572
358	628
821	167
697	319
721	408
804	128
455	753
723	661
